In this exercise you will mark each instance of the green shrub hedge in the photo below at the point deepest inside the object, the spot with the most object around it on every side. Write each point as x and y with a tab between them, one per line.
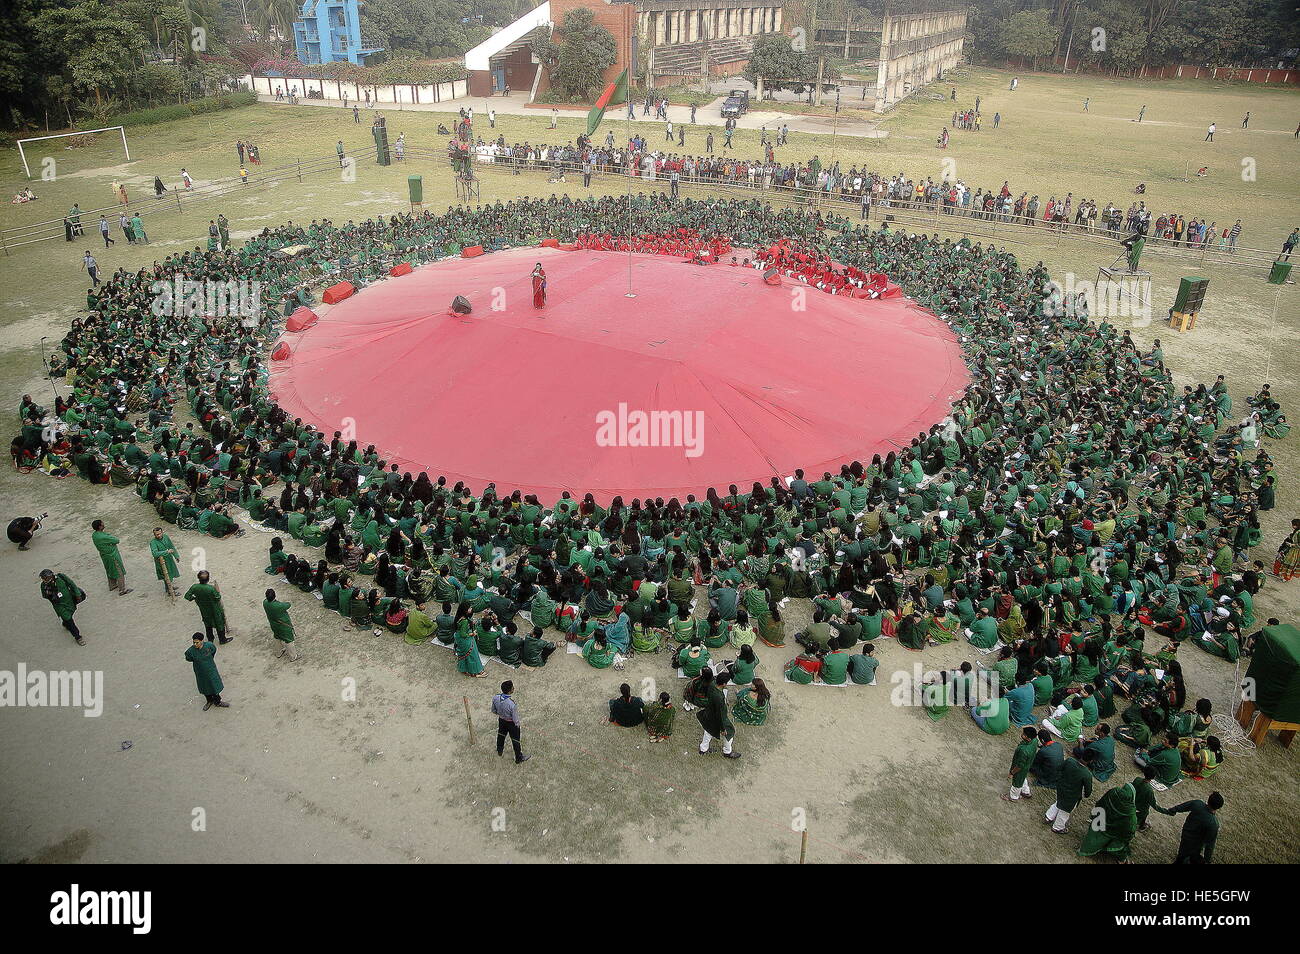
163	114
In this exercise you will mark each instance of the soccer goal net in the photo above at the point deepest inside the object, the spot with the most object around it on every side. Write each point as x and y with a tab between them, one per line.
42	155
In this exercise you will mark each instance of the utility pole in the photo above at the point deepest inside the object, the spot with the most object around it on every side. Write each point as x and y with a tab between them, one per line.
821	68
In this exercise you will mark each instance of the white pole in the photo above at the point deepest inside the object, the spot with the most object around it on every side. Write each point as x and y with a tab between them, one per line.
24	155
125	147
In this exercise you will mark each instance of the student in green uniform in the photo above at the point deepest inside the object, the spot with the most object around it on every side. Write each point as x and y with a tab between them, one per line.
993	716
114	569
201	655
1165	759
1114	824
164	556
659	717
862	668
1021	759
752	703
277	614
1074	785
64	595
835	664
536	649
714	719
213	611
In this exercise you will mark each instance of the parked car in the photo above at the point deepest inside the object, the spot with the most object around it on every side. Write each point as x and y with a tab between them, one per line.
736	104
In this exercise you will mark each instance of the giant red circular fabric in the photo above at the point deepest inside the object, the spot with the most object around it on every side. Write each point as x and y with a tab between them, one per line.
708	377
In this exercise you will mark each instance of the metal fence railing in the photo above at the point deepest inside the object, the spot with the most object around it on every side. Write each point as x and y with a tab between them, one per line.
176	201
1006	228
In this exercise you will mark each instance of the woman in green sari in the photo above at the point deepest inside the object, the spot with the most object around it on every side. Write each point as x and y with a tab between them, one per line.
419	627
752	704
682	627
771	629
911	632
937	696
944	628
467	657
659	718
1114	824
598	653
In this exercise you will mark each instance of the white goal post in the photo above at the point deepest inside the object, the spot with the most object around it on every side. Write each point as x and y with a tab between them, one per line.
84	132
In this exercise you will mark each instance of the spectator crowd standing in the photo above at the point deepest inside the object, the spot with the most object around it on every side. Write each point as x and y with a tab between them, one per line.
812	177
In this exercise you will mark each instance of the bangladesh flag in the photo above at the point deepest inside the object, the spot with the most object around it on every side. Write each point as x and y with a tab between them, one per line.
615	93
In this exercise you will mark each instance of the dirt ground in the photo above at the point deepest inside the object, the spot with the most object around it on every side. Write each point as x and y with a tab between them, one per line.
295	771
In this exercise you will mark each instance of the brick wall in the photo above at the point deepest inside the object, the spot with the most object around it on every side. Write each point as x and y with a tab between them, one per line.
618	18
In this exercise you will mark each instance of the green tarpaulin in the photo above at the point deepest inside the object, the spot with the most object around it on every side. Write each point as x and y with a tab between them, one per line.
1274	673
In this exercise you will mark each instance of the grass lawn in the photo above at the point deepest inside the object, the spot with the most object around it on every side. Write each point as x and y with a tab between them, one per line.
293	775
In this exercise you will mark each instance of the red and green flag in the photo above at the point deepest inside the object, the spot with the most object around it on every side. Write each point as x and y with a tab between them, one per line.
615	93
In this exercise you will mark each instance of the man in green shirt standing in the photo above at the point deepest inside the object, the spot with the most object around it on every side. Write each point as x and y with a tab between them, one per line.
114	569
714	718
1200	831
208	595
1075	784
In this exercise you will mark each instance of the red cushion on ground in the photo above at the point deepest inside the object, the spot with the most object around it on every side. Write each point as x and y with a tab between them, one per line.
837	382
281	351
403	269
471	251
336	293
301	319
550	243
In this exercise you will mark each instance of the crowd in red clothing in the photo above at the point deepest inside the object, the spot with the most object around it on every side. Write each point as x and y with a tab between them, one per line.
817	270
687	243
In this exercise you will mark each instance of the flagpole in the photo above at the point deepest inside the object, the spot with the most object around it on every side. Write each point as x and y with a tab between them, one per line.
627	123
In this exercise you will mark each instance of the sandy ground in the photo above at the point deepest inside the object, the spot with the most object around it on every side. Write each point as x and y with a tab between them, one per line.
294	771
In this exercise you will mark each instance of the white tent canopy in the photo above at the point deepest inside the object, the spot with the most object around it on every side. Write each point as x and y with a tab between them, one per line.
480	58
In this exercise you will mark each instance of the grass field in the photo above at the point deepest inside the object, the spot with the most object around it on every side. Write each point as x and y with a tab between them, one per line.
292	773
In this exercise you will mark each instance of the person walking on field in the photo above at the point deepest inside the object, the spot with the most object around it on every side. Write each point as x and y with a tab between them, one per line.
207	679
277	614
507	713
114	569
1209	133
63	595
1245	122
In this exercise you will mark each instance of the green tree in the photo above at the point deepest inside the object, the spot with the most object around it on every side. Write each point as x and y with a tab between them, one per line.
578	61
775	60
101	47
1031	34
423	27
